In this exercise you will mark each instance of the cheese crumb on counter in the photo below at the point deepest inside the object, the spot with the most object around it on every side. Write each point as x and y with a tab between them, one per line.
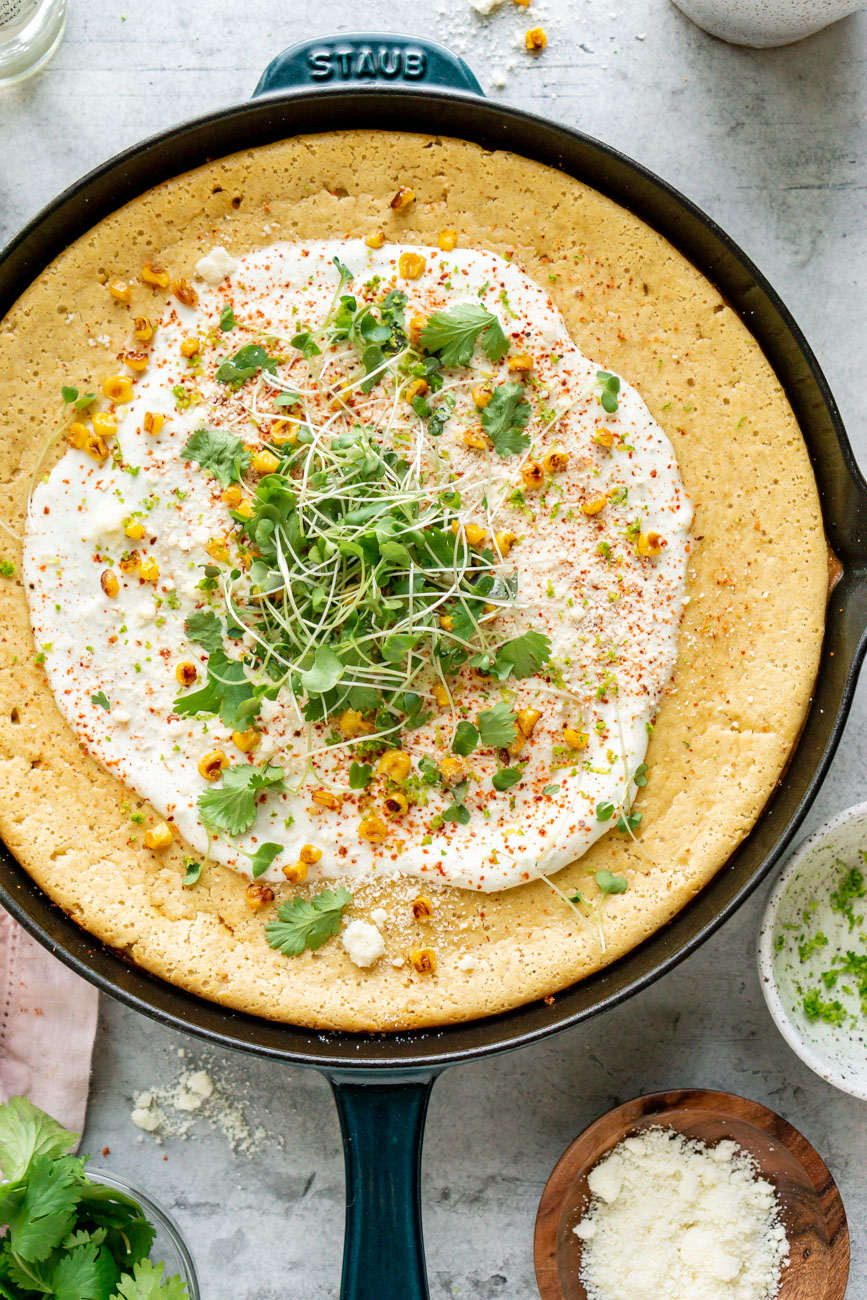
363	943
676	1218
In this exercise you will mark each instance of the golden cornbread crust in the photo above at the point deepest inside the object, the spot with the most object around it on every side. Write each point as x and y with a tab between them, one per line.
749	644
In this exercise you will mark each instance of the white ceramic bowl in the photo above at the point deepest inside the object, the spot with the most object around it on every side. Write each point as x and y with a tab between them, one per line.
837	1054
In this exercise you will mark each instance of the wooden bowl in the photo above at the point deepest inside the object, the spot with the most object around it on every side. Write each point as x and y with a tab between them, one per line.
812	1210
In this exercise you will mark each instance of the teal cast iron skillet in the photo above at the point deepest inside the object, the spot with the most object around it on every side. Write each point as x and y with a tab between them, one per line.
382	1083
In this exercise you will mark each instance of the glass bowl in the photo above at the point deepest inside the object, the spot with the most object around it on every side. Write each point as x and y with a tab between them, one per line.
169	1245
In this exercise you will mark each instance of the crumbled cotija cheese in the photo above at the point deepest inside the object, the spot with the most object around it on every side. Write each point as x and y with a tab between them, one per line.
674	1218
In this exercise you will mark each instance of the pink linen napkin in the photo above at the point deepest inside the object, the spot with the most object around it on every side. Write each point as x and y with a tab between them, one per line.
47	1028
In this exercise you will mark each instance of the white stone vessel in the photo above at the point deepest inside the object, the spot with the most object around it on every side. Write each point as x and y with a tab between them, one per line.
762	23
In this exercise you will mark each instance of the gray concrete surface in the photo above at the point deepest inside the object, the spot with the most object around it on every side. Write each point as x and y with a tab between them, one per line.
773	145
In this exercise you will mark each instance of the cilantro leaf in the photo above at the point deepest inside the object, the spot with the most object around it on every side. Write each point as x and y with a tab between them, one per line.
610	884
504	417
523	656
228	692
146	1283
39	1219
466	739
360	775
205	629
307	923
218	451
192	871
453	334
497	726
231	808
25	1132
87	1272
246	362
101	699
506	778
263	857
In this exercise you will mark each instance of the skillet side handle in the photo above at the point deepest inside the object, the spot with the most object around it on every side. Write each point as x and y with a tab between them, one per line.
383	1129
378	60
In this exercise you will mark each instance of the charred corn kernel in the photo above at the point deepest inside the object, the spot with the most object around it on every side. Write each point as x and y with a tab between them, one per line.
264	462
137	361
353	723
135	530
574	738
109	583
153	422
232	496
218	550
296	873
417	323
117	388
417	388
521	363
373	829
515	747
475	439
448	240
245	740
422	908
185	292
395	764
245	510
403	198
424	960
283	432
593	505
78	435
213	764
452	769
128	562
555	460
441	695
396	804
475	534
532	475
310	855
142	329
649	545
446	622
186	673
535	40
505	540
190	347
258	895
482	394
325	799
156	276
522	3
148	569
104	425
604	438
95	447
375	239
411	266
527	719
159	836
120	291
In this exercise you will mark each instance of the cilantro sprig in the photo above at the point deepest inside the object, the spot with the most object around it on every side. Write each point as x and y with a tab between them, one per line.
453	334
223	454
504	418
67	1237
307	922
230	808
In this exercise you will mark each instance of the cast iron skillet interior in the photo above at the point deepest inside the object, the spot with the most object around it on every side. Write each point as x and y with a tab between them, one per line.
379	1058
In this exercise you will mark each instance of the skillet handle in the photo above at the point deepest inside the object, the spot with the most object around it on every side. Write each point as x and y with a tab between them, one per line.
377	60
383	1128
